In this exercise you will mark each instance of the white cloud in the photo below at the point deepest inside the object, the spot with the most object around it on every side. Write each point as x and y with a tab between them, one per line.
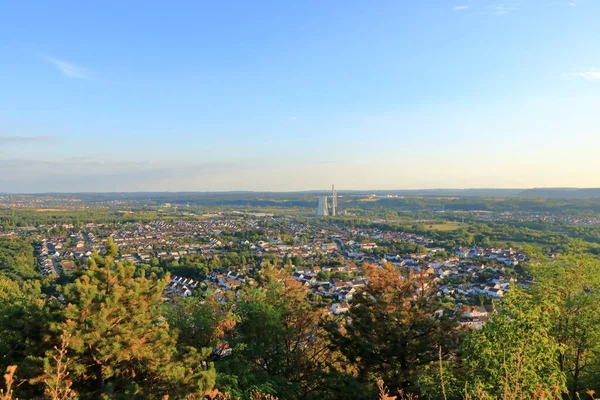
68	69
572	4
460	8
591	75
502	9
294	118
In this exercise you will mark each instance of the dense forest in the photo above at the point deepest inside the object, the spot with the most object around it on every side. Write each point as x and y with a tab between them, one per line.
106	332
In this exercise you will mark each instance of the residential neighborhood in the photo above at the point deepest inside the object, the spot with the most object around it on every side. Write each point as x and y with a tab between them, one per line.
222	252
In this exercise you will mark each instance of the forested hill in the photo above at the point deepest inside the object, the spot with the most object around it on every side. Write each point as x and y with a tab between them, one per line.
306	198
562	193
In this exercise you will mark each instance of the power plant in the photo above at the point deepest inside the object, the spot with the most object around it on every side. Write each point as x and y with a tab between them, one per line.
323	209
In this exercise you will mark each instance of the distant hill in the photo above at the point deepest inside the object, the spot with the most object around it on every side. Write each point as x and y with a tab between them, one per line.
245	196
562	193
485	192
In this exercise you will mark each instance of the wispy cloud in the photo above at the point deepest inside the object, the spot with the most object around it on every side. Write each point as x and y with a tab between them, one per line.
590	75
572	4
503	9
460	8
6	140
68	69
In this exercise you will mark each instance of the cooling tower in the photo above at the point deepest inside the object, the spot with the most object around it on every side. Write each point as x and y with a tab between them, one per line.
322	208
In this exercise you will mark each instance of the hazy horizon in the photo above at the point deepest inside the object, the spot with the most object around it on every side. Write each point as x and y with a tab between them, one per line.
292	97
318	190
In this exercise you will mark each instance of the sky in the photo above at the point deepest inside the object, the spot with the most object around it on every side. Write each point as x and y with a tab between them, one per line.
297	95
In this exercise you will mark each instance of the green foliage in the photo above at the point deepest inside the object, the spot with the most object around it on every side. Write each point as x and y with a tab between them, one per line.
514	351
16	311
111	248
279	344
24	328
121	345
570	288
199	322
547	337
16	259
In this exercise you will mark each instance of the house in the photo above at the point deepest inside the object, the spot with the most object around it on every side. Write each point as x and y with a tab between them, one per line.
67	265
476	317
368	245
339	308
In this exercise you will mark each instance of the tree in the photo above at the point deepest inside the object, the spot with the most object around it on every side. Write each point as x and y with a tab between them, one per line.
394	328
569	288
298	261
24	319
16	259
120	344
200	323
323	276
111	248
514	356
279	344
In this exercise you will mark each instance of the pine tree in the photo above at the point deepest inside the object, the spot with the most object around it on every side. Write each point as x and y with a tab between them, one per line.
24	327
111	248
119	343
200	323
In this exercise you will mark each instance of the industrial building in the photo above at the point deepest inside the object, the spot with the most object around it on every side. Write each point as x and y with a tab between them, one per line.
324	209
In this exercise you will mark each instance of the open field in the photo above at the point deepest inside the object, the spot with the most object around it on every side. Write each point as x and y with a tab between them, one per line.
445	227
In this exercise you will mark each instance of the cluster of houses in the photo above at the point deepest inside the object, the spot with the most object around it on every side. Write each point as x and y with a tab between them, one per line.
55	257
340	289
524	216
179	286
331	255
508	257
229	279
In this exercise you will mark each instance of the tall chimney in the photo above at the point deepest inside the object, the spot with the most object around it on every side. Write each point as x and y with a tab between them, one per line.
333	200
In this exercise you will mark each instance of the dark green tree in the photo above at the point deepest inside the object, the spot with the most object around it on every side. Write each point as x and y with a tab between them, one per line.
25	317
111	248
120	344
200	322
279	344
16	259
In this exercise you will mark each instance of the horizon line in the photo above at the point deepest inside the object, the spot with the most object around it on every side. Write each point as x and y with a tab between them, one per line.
303	191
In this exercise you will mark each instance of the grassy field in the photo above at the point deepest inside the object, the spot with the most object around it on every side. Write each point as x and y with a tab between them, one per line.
446	226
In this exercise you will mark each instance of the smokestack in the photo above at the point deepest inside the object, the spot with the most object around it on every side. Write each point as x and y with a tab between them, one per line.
333	200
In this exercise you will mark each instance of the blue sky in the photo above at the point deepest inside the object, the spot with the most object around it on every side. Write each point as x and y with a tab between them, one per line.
290	95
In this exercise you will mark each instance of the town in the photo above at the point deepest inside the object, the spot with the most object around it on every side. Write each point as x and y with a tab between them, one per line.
221	252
